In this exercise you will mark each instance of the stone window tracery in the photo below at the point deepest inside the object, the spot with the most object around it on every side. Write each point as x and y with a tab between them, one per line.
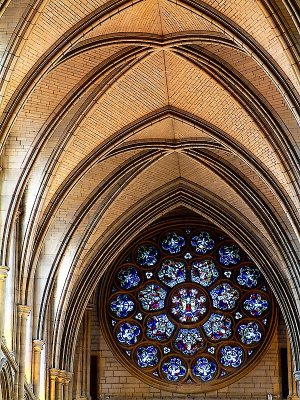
186	305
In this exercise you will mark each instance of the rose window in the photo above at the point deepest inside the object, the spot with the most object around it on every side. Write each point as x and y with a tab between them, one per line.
186	306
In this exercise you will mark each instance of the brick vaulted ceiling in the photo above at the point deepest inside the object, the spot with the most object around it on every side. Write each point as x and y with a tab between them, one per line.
110	109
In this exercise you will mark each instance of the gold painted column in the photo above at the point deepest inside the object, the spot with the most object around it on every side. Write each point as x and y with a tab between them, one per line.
3	275
23	312
70	387
59	384
53	375
37	349
66	384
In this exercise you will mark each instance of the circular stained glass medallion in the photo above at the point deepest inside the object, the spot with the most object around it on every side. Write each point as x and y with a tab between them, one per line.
204	369
204	272
152	297
122	305
147	356
202	242
173	369
187	304
173	243
189	341
190	308
172	272
128	278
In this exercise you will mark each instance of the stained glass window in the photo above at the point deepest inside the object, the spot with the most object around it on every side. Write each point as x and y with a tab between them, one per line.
186	305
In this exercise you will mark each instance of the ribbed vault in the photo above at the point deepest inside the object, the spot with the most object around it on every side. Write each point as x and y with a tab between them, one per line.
115	113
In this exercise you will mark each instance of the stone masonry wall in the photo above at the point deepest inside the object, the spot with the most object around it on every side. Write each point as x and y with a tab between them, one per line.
116	383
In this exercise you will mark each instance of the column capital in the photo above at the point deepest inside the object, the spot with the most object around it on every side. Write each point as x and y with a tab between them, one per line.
38	345
3	272
68	377
23	311
60	375
54	373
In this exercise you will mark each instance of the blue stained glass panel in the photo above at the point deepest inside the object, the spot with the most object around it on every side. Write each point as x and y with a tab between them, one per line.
128	333
128	278
231	356
159	327
229	254
224	296
152	297
172	272
173	243
122	305
205	369
218	327
147	356
188	304
204	272
174	369
187	308
202	242
188	341
248	276
255	305
147	255
249	333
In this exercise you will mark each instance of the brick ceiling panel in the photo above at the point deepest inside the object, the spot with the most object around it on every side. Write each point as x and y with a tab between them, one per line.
258	77
68	213
193	90
261	187
159	130
139	92
48	25
176	18
52	90
172	166
90	181
254	19
159	17
150	179
204	177
186	131
10	17
143	16
169	129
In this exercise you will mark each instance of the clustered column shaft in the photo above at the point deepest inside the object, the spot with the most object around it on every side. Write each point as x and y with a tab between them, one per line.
59	384
3	275
37	349
23	313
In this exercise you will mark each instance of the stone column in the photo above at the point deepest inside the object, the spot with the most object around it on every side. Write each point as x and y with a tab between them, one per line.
3	275
23	312
53	373
59	384
18	339
37	349
70	388
297	378
66	384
